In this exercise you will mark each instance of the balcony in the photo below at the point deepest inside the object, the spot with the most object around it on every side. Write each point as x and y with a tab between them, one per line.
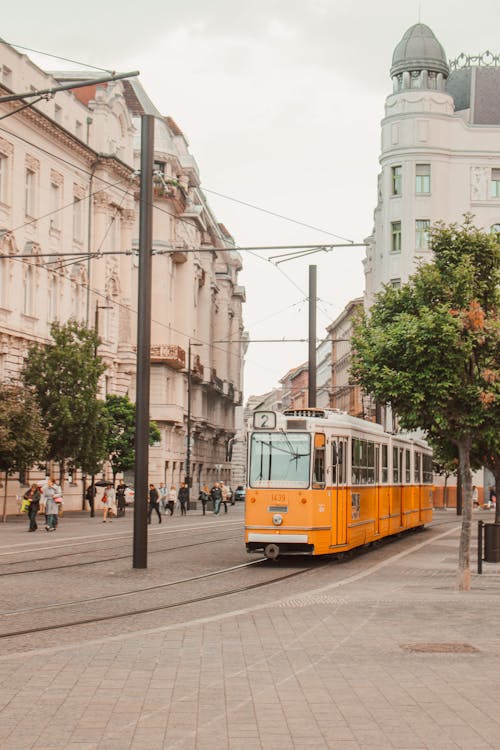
197	369
217	383
169	354
170	413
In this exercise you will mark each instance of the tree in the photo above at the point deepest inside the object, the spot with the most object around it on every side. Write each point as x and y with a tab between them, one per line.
120	441
65	376
431	349
22	436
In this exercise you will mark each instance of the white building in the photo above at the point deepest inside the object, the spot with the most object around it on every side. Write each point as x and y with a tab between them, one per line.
69	191
440	154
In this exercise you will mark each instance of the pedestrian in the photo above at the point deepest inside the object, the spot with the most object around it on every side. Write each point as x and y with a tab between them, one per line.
162	492
203	498
171	498
51	499
216	497
120	498
33	495
493	498
475	497
230	495
183	497
153	503
109	503
225	495
90	494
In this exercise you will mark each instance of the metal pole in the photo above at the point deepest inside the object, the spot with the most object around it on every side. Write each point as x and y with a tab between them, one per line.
140	544
480	525
312	336
188	445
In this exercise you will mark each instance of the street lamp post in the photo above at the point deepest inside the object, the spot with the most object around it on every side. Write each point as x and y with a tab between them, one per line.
188	431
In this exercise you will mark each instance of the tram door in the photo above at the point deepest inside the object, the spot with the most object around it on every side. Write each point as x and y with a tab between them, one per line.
339	491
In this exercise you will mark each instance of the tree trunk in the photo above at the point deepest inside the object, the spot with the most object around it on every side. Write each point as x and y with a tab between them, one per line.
497	493
464	447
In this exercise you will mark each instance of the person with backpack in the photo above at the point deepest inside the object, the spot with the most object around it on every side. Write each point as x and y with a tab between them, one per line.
203	498
216	497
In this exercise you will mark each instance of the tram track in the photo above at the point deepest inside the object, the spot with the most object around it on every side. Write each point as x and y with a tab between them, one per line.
147	610
101	560
108	617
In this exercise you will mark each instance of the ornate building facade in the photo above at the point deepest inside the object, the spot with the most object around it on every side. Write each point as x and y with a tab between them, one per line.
68	241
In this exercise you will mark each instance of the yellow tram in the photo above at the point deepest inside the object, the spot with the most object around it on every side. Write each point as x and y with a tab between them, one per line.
322	482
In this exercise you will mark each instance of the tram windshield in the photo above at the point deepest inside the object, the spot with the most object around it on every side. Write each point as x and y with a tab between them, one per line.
280	459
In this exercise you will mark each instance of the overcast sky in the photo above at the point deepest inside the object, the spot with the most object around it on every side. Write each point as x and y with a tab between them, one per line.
281	102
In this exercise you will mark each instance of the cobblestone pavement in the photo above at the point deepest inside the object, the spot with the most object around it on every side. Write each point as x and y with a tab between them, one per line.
381	652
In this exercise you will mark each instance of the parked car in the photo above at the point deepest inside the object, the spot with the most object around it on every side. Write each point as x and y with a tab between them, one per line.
239	493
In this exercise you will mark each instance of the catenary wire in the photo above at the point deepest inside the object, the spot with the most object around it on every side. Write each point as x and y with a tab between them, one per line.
56	57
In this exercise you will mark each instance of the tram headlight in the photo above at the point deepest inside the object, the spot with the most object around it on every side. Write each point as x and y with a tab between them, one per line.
277	519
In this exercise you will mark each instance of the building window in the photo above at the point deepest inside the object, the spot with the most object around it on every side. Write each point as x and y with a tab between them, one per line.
77	219
495	229
415	79
495	183
58	114
29	193
396	237
3	276
55	205
396	180
28	292
422	227
423	178
52	301
3	178
395	283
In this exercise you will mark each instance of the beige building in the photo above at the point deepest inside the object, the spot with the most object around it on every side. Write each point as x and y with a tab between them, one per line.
68	189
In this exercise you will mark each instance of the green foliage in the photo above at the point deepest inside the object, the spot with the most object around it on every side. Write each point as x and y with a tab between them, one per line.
120	439
432	348
64	376
22	436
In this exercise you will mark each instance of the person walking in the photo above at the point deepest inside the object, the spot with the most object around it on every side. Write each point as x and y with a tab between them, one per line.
109	503
216	496
153	503
51	491
33	495
90	494
225	495
203	498
120	498
171	498
162	492
183	497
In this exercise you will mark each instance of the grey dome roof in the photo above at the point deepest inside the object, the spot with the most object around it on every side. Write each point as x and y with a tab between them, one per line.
419	50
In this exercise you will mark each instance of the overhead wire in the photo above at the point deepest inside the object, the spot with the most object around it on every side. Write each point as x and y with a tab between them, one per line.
56	57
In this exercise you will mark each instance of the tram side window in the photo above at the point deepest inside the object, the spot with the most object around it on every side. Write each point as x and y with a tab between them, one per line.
338	458
319	461
427	469
385	464
418	457
407	467
363	462
395	471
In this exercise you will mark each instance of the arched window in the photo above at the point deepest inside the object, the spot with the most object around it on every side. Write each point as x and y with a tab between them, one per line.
28	292
495	229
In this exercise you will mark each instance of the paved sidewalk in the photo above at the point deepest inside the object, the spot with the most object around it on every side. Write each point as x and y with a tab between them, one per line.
387	655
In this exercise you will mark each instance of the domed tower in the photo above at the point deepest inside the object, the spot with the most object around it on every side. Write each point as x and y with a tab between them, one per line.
419	61
415	136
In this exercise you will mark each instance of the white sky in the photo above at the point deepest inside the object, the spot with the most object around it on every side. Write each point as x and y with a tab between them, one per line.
281	102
